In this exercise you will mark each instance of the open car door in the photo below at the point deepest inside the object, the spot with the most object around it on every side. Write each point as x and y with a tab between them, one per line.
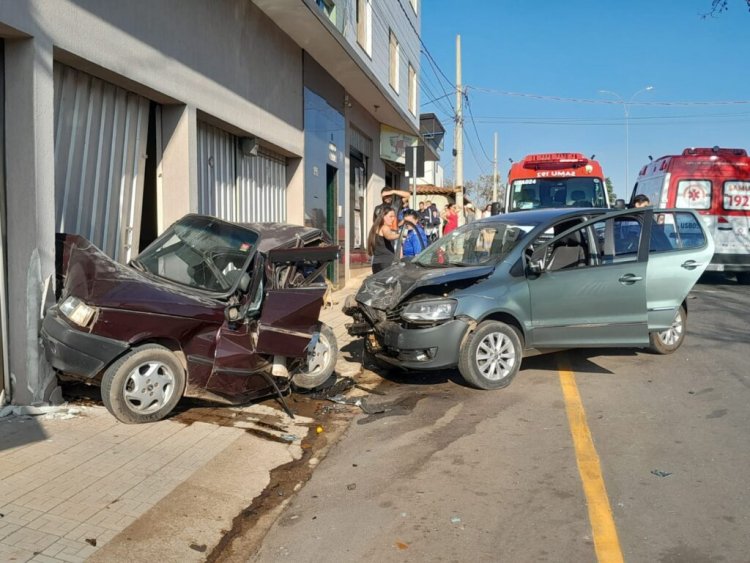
291	306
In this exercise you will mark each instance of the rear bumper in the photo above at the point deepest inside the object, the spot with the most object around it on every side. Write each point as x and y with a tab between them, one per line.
75	352
425	348
729	263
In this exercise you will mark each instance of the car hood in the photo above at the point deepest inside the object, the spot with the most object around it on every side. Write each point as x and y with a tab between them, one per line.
94	277
388	288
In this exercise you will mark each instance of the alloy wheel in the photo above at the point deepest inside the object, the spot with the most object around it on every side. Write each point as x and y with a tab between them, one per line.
496	356
148	387
672	335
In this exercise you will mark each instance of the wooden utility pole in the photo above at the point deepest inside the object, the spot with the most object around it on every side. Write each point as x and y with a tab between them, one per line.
458	136
494	172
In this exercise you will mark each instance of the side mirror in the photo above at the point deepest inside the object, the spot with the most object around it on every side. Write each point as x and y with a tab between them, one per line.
619	204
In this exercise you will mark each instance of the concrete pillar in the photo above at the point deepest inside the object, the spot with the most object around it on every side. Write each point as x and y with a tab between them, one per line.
295	191
30	181
178	173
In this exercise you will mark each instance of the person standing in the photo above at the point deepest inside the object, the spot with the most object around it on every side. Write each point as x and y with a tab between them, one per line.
380	240
416	239
393	199
450	216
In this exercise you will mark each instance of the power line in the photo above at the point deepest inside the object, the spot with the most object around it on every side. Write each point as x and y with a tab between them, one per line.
474	125
605	101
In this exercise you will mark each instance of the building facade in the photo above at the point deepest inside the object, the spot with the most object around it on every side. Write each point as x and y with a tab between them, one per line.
117	118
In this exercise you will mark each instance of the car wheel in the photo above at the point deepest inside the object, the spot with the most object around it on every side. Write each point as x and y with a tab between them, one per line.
492	356
743	278
320	362
667	341
144	385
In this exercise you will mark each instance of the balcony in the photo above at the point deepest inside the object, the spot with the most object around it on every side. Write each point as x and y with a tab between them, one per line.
312	28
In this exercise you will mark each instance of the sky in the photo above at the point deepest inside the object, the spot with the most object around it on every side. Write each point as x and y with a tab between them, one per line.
519	55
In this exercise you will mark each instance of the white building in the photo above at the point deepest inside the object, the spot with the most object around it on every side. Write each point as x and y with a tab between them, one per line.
116	118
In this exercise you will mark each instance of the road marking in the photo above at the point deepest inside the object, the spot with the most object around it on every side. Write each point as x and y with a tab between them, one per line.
603	528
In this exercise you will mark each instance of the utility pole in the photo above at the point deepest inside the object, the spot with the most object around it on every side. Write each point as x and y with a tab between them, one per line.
494	172
458	136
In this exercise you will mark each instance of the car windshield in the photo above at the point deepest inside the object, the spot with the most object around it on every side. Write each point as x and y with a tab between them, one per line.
476	244
536	193
200	252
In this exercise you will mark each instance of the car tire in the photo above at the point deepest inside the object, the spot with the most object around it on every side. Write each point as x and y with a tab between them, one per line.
743	278
667	341
318	367
492	356
158	373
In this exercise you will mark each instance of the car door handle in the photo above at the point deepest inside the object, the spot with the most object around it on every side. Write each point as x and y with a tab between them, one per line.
691	264
629	279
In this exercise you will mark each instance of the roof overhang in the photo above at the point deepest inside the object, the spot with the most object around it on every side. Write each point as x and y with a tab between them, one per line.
304	22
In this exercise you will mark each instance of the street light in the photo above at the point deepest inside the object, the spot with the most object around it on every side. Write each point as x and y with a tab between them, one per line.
627	127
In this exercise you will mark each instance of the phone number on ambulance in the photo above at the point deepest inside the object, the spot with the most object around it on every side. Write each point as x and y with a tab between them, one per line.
737	202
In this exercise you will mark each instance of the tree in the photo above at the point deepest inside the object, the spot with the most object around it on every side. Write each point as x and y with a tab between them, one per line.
479	191
610	190
719	6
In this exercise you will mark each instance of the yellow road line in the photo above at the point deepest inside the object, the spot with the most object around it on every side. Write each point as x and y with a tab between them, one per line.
606	543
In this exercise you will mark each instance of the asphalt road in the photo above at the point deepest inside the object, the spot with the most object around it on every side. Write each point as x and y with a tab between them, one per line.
449	473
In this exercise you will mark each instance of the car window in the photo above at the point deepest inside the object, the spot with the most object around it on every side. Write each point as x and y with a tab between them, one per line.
618	239
693	194
737	195
676	231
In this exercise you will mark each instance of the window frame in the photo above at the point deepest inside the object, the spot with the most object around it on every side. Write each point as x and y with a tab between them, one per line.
394	61
412	90
680	202
363	19
727	198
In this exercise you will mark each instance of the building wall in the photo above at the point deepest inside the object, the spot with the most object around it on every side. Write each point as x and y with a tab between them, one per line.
387	15
223	60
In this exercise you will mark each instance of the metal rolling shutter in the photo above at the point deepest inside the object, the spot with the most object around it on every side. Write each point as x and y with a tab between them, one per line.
100	152
236	187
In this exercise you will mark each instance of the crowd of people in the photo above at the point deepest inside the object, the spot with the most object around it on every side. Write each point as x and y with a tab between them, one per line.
422	226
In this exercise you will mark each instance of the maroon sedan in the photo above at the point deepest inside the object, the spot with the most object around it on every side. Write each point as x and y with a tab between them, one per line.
211	309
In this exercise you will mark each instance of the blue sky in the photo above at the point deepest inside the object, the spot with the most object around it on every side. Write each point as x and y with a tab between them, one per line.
573	49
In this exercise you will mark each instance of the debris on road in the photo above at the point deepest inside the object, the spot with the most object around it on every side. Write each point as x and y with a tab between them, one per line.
351	486
660	473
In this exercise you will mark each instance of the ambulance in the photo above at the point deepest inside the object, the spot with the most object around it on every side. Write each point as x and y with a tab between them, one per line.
555	180
716	183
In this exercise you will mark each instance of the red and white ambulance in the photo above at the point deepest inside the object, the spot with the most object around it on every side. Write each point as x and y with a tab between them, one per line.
715	182
560	179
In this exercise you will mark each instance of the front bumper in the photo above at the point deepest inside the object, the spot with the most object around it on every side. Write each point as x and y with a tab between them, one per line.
74	352
424	348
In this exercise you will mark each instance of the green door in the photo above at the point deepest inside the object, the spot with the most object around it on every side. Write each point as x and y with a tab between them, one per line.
600	302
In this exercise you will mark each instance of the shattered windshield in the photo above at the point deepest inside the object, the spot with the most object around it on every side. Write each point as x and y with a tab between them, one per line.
200	252
475	244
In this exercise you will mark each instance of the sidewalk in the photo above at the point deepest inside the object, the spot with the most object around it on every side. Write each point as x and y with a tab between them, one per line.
78	484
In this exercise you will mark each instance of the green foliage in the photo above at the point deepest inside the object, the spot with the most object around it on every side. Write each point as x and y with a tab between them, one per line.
610	190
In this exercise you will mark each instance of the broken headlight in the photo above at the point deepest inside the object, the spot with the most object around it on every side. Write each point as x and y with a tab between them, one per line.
429	311
77	311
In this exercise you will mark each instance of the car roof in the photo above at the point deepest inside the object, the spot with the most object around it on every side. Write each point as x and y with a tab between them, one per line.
278	235
540	216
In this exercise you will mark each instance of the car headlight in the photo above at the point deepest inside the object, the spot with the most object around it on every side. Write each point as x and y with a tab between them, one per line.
77	311
429	310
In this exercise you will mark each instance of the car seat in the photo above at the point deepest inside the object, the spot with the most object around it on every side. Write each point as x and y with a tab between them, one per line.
579	199
568	252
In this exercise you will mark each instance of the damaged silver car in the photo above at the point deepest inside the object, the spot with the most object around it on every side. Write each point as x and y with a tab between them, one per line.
505	287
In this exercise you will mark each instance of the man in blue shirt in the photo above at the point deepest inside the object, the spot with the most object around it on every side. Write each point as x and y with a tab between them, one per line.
416	239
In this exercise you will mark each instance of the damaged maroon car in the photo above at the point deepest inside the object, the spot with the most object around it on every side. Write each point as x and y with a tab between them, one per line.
211	309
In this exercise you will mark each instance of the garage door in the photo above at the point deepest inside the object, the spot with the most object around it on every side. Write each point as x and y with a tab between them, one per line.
100	153
238	187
